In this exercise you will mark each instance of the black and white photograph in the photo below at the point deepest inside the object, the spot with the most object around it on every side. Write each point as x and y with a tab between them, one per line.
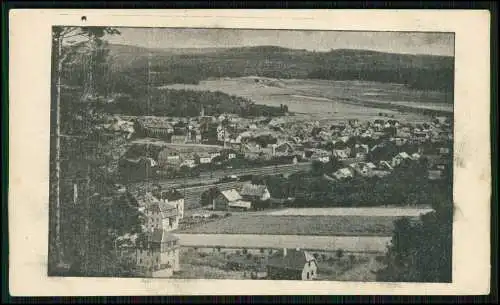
251	154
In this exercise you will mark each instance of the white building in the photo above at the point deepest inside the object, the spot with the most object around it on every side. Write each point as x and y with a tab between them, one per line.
399	158
157	248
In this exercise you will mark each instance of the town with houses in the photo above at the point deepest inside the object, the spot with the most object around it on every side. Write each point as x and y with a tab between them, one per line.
163	149
265	162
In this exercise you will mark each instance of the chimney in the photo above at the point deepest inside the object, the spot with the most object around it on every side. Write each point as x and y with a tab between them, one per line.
284	252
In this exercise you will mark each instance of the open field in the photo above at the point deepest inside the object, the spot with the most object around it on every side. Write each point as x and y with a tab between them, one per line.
336	99
368	244
365	211
298	225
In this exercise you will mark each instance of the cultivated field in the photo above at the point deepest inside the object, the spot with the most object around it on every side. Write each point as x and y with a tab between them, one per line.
332	99
298	225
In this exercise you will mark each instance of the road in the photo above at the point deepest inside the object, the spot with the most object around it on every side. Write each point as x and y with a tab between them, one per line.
326	243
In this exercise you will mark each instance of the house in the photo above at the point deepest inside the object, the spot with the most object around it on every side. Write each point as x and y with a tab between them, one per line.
292	264
344	173
344	139
168	158
382	169
444	150
188	163
361	150
158	252
117	125
318	155
137	168
353	122
204	158
230	199
399	141
161	215
254	193
342	153
337	127
155	128
420	136
378	125
385	165
174	198
221	133
443	120
403	132
400	158
251	152
156	248
393	123
229	154
364	169
283	149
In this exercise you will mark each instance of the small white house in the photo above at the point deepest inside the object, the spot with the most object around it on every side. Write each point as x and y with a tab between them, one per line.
399	158
294	264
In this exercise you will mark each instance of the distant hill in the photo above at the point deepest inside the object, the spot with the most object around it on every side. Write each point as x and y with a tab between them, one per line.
166	66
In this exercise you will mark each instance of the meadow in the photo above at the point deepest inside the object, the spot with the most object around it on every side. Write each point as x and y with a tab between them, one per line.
330	99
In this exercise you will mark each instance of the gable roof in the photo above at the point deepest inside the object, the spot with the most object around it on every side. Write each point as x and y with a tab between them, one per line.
171	195
154	122
404	155
294	259
146	199
345	171
371	165
231	195
253	190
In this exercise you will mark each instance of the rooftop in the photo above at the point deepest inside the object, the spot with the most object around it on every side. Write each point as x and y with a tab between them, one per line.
253	190
231	195
294	259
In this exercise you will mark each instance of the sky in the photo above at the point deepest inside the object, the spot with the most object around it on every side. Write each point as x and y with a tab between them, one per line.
395	42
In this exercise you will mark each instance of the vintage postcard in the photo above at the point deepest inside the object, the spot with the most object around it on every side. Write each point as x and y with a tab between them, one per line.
217	152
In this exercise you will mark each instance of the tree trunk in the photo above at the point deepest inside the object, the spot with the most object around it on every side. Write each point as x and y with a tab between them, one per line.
59	251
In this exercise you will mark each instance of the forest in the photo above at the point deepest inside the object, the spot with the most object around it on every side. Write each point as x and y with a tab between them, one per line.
162	68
